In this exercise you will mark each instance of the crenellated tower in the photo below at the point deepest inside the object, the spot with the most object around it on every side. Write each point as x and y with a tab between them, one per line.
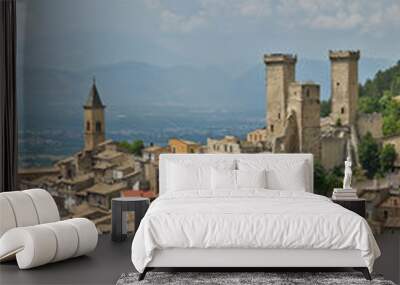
344	86
280	73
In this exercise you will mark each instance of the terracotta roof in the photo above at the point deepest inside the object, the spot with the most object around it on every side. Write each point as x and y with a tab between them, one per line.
125	167
104	189
189	142
391	202
186	141
392	222
138	193
42	170
106	142
93	100
78	179
109	154
103	165
155	148
131	174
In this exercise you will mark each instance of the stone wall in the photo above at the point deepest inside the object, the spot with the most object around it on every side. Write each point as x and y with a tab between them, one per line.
333	151
370	123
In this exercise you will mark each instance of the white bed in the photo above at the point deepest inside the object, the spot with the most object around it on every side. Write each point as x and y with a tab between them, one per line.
249	227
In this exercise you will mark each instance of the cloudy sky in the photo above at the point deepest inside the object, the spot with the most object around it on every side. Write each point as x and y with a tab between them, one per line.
79	33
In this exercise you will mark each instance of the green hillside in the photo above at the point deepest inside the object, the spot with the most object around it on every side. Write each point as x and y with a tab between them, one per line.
376	95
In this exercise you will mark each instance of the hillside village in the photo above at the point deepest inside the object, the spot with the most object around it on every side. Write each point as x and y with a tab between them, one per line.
84	183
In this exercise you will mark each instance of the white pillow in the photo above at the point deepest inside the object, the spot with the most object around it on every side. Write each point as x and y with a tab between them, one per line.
183	178
251	178
288	174
193	174
223	179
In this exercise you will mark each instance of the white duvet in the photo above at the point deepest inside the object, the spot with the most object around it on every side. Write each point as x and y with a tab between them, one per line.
250	219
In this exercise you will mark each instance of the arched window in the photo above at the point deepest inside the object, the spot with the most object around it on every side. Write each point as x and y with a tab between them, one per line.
279	115
272	128
98	127
342	110
88	126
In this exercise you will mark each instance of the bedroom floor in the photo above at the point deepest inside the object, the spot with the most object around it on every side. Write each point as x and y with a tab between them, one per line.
103	266
106	264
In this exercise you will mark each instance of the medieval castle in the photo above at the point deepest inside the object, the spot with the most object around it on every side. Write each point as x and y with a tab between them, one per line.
293	110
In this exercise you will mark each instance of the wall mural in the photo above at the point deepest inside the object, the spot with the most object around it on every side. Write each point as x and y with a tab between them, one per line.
105	89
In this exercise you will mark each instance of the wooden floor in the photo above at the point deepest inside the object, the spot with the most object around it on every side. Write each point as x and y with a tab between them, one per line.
110	259
103	266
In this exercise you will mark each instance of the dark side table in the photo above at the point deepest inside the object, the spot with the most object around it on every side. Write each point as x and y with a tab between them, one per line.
119	208
355	205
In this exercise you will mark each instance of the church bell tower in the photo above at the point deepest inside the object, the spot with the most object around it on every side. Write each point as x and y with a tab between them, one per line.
94	124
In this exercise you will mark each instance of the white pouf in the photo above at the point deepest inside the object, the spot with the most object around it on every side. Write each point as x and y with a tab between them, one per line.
31	232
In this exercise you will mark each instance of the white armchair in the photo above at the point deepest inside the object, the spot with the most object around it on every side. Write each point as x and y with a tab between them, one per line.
31	230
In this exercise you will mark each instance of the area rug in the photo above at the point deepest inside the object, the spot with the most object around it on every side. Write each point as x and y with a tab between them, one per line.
243	278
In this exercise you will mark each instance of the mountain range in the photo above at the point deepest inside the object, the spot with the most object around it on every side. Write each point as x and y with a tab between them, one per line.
54	97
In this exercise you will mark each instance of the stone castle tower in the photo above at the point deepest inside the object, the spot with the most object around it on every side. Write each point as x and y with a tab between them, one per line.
304	101
281	72
344	86
293	108
94	123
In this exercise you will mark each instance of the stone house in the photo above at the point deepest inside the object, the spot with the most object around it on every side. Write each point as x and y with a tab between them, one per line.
183	146
100	194
257	135
389	208
228	144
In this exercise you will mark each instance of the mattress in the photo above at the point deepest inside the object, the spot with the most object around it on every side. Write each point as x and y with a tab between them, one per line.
250	219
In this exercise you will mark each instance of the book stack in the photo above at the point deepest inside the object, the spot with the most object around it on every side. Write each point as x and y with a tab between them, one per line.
344	194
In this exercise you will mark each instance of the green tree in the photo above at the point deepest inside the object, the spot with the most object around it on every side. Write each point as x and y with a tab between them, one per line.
326	107
387	158
325	181
369	155
135	147
320	183
376	95
369	104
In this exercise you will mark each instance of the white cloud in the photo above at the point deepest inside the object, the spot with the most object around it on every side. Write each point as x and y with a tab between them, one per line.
255	8
310	14
338	21
152	4
339	15
171	22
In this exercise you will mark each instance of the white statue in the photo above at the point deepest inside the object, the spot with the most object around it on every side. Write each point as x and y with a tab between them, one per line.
347	174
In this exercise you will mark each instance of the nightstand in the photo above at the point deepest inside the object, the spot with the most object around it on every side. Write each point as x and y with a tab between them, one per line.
120	207
355	205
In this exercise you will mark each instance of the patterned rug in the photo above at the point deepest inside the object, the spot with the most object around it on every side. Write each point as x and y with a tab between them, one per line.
242	278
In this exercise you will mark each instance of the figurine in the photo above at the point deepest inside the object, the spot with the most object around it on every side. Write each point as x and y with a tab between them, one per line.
347	174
